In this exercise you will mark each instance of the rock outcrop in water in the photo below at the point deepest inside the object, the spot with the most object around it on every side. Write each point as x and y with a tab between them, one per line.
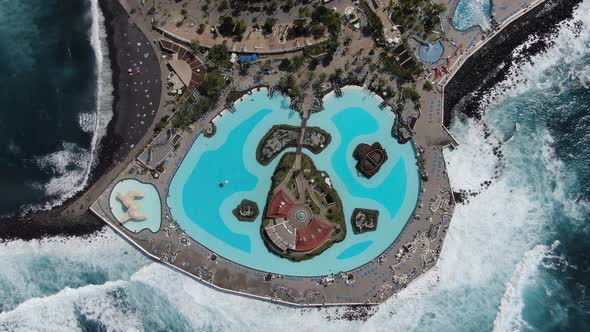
369	158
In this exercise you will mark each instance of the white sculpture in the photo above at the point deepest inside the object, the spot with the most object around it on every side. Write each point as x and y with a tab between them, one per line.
128	200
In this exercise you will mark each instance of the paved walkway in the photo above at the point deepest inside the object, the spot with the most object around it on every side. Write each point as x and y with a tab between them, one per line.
413	253
253	41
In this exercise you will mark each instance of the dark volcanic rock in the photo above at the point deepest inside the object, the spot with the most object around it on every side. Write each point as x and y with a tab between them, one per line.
369	158
492	62
48	224
249	206
364	220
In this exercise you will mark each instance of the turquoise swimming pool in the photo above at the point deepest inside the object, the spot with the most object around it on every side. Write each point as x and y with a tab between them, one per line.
471	13
149	205
430	53
202	207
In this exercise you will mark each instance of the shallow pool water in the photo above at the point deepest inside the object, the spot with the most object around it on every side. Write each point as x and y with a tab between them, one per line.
149	205
471	13
430	53
219	172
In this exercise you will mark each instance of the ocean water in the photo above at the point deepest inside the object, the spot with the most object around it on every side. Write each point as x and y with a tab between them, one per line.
55	97
516	257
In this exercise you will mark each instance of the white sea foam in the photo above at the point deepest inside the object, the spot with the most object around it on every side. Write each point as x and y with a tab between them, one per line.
198	304
43	279
72	165
68	167
481	267
104	93
491	251
59	312
474	10
93	247
40	268
509	317
567	46
87	122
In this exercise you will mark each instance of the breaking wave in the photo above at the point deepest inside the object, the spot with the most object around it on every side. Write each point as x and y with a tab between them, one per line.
557	67
68	308
497	248
71	166
41	268
509	317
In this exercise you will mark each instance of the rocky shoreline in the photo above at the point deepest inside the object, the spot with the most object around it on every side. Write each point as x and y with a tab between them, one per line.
492	63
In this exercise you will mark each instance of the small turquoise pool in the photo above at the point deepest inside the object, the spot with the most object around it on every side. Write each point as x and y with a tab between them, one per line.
471	13
203	207
149	205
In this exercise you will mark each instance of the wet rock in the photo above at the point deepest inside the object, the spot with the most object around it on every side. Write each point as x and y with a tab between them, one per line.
492	63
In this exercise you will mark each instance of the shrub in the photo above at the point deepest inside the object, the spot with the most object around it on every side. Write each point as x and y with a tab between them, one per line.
201	29
219	55
268	25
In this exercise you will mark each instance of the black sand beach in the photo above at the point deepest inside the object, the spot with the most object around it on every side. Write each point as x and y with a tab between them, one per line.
136	101
137	93
494	60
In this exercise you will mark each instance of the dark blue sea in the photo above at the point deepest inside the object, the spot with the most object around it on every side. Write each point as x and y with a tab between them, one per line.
52	110
517	256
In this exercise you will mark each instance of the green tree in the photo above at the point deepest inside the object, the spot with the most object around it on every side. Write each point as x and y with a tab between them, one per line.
268	25
244	69
288	85
317	30
337	74
201	29
287	5
299	28
219	55
304	12
191	112
296	63
229	27
271	8
212	85
223	6
328	18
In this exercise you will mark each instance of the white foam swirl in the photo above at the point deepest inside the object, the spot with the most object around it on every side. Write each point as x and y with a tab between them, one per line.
72	165
509	317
